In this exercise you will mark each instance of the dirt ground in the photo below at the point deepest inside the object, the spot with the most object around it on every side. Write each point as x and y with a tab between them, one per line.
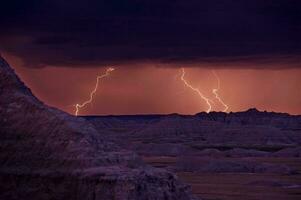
240	186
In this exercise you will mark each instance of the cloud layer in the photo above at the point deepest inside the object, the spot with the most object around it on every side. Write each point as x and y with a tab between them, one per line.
82	33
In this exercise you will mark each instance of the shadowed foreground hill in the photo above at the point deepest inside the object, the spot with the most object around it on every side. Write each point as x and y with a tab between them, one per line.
48	154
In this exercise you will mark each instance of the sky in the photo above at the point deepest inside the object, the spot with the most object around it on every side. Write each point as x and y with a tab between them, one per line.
59	47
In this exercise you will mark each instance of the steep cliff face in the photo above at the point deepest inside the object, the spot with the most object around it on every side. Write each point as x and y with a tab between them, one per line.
48	154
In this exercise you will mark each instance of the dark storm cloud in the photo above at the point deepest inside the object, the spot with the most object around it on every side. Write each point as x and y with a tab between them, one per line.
54	32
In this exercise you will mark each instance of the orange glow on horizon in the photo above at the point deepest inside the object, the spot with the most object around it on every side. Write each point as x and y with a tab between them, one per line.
147	89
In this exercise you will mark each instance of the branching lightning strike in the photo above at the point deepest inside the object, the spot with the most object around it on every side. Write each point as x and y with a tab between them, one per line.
207	100
78	106
215	90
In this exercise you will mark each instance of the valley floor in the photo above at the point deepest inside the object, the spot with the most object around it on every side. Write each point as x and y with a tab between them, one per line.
238	186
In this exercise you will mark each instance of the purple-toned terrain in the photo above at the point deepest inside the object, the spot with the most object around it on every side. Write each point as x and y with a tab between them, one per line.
48	154
244	155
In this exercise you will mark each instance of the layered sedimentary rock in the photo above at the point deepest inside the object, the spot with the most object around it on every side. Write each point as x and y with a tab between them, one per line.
48	154
243	134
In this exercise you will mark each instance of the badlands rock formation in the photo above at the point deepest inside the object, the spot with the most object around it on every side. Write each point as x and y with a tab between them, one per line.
214	142
48	154
246	155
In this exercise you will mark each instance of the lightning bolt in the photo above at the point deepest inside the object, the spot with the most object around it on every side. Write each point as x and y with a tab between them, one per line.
78	106
215	90
196	90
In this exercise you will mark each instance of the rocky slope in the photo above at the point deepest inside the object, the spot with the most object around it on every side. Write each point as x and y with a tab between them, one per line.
48	154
